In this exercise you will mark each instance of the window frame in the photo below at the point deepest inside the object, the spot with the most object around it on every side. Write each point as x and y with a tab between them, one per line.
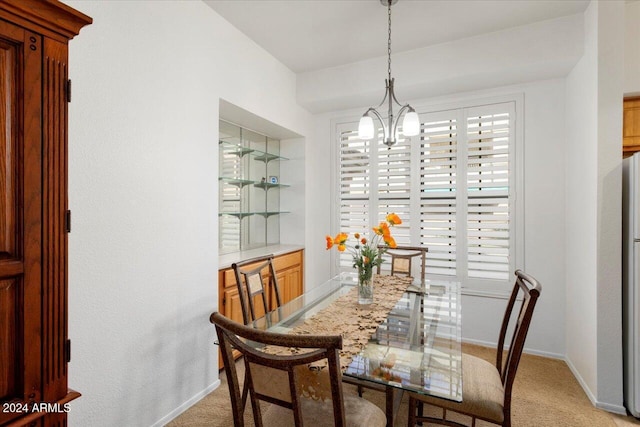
479	287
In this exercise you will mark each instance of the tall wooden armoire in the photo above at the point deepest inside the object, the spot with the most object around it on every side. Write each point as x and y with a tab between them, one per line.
34	218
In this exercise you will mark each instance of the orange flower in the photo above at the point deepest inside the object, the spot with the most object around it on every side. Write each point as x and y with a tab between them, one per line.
341	240
357	235
363	240
382	229
390	241
394	219
329	242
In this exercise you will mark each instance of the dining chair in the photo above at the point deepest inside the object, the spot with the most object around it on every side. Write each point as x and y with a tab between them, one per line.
277	379
251	284
401	257
486	389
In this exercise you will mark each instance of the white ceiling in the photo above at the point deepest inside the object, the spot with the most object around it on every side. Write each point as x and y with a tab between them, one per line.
308	35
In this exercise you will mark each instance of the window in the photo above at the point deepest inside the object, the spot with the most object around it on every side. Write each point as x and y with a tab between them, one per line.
453	186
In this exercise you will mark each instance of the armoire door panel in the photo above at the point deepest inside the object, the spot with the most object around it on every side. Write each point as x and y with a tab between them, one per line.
9	82
20	209
9	322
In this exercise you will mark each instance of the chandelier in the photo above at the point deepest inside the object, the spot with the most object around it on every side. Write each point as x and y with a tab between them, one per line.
411	122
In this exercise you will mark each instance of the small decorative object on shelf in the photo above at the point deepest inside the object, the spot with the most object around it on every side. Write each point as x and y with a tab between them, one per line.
273	179
366	253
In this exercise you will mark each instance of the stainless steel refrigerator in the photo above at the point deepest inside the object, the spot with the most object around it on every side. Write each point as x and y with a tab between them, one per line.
631	282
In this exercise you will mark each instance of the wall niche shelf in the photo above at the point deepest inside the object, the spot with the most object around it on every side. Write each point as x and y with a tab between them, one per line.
249	184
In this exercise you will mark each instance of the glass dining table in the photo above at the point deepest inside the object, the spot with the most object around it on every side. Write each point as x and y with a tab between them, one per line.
416	346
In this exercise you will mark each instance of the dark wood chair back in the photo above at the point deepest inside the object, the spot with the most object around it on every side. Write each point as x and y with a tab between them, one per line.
401	258
263	371
251	284
527	288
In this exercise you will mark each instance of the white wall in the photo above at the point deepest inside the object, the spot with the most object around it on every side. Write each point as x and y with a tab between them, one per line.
609	224
581	201
594	129
143	190
632	48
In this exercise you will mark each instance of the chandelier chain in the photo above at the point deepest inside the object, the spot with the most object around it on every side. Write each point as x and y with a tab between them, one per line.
389	42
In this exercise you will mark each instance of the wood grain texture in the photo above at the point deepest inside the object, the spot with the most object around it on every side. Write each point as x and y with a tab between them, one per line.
631	126
54	194
33	205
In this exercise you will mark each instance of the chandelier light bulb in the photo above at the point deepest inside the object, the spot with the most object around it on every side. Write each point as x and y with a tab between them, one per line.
365	127
411	124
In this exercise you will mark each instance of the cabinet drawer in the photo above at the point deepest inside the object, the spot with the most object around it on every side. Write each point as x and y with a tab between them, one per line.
285	261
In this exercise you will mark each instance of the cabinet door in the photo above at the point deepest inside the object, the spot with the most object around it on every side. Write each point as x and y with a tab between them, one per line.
232	306
631	126
290	282
20	216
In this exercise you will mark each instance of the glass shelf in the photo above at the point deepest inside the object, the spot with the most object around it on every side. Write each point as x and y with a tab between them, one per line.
236	181
268	214
268	185
236	149
267	157
248	172
261	156
241	215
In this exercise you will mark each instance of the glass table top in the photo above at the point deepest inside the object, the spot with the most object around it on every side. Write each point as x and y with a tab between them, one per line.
416	348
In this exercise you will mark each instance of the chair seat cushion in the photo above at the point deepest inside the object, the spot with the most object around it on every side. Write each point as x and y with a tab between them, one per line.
482	391
359	412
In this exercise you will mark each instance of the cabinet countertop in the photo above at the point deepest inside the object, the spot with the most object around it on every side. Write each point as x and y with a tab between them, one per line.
225	260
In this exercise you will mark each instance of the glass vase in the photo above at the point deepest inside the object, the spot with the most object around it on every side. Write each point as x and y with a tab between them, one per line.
365	285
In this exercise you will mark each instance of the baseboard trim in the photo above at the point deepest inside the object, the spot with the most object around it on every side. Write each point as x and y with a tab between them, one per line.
616	409
186	405
525	350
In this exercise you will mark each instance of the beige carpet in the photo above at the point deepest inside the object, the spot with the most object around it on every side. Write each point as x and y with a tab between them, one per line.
546	394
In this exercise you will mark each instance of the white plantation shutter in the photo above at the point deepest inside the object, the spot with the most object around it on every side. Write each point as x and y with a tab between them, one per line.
438	185
355	186
394	186
453	187
489	141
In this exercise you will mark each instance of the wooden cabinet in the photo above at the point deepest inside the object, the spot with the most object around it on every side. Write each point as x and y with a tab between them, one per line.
631	126
34	219
290	272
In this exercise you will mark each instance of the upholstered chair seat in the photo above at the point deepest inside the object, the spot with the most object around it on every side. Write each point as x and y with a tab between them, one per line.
482	391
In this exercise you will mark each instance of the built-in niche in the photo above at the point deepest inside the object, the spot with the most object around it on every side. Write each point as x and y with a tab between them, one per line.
249	188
